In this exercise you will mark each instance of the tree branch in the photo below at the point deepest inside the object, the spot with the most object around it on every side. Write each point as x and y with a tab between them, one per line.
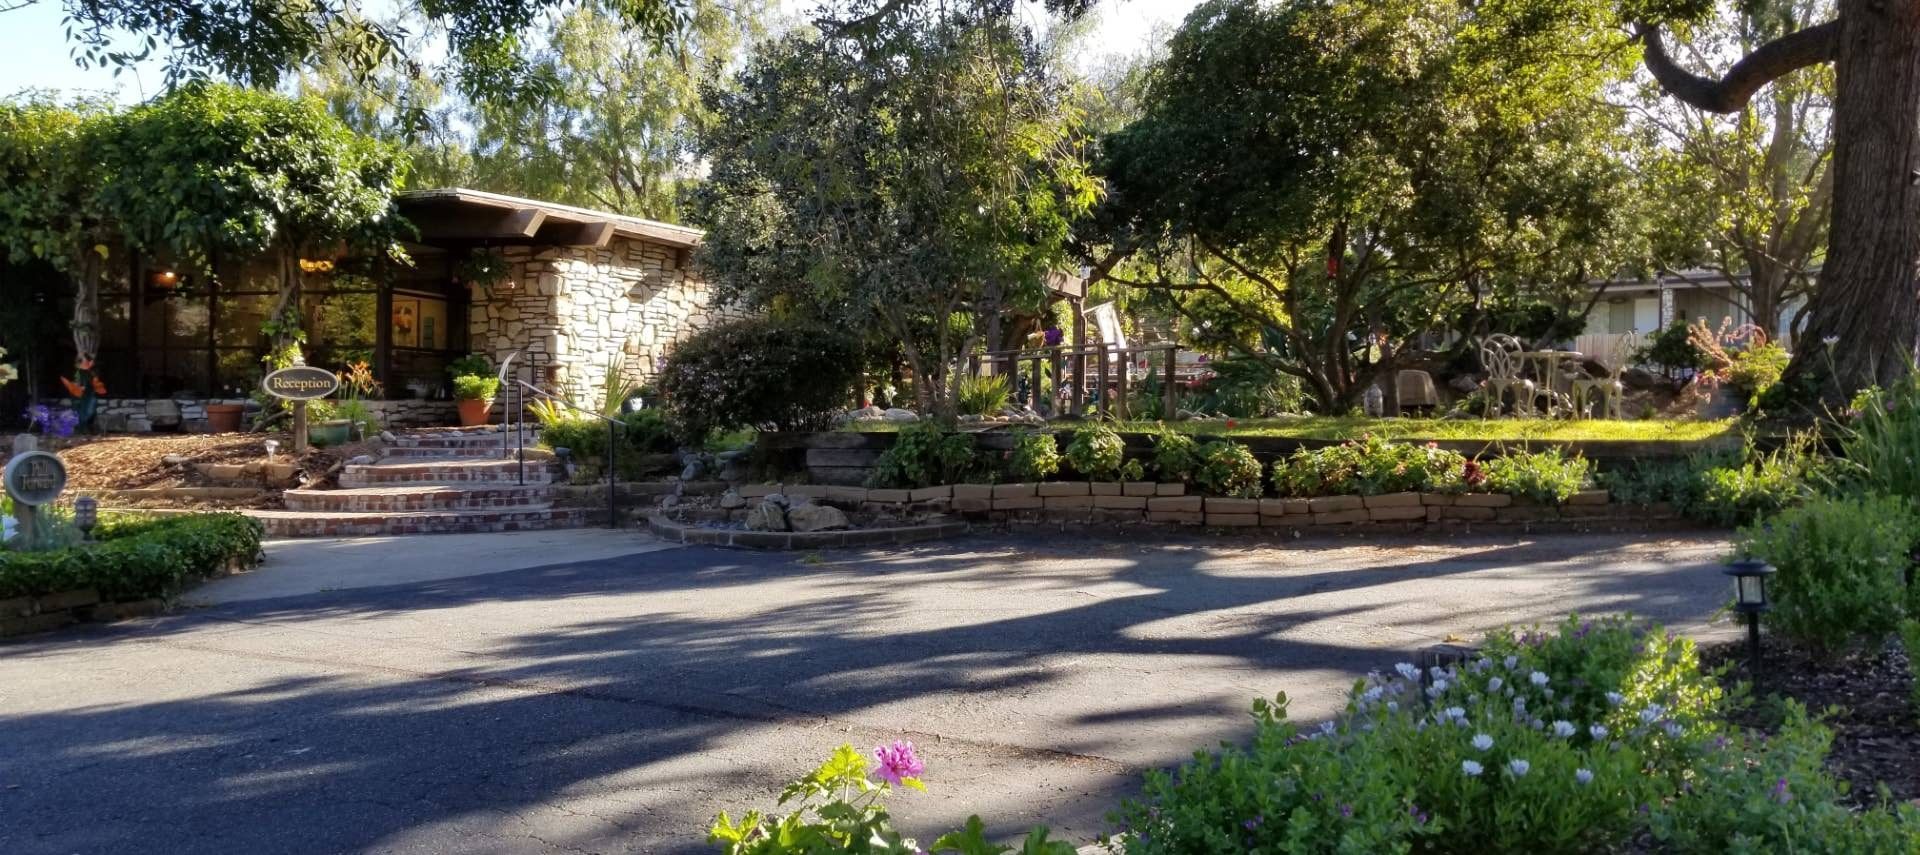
1767	63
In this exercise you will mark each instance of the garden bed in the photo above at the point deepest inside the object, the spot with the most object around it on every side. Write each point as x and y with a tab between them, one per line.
131	569
1336	428
1876	729
224	470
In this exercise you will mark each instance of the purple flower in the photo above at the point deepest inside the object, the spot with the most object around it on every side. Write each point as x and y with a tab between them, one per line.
897	762
1780	793
1346	810
1253	823
1053	336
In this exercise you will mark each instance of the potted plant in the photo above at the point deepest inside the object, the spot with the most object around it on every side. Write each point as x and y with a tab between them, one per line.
473	394
325	427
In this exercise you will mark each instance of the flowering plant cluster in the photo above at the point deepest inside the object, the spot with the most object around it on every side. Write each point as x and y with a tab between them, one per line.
52	421
7	373
840	807
1370	466
1567	741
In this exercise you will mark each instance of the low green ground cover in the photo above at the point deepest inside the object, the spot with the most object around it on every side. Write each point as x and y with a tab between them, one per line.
134	557
1491	430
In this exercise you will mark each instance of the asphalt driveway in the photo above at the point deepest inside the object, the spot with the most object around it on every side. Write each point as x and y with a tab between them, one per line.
419	698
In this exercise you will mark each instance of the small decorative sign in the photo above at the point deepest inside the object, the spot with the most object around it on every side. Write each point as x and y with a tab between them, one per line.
35	478
300	383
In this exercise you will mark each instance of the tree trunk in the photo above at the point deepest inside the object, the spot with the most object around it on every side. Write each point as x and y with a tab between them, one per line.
1867	305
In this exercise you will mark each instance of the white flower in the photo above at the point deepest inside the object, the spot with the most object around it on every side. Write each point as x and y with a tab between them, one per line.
1598	732
1548	692
1519	767
1456	713
1652	713
1538	678
1494	684
1372	694
1830	340
1440	686
1407	670
1674	729
1520	704
1326	727
1393	706
1512	662
1472	768
1583	776
1482	741
1437	673
1563	729
1614	699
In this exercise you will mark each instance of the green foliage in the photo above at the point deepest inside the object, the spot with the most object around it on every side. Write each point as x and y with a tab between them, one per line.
616	387
984	396
931	168
1369	467
1878	443
1673	349
475	387
759	373
1543	476
1400	771
1842	569
1245	387
924	455
471	365
210	169
1227	468
1728	487
1176	456
635	436
1036	457
1283	148
1096	452
135	558
1755	370
1910	642
839	809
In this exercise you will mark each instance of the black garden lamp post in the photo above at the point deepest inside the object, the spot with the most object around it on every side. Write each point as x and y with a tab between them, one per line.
86	515
1750	599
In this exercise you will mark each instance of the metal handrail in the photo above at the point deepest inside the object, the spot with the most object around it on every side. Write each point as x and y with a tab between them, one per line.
613	427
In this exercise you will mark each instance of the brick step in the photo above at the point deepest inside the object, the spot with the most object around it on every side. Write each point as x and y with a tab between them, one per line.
442	472
477	440
347	524
421	498
481	452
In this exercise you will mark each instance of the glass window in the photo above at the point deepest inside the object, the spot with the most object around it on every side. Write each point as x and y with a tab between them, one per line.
186	374
419	321
339	320
240	318
116	322
237	371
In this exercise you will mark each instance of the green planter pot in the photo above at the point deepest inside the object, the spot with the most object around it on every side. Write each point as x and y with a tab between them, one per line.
332	432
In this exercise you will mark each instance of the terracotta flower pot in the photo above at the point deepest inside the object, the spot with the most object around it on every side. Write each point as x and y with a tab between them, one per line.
474	413
224	418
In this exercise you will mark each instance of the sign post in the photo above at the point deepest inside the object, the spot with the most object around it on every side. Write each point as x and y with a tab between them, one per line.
33	478
300	384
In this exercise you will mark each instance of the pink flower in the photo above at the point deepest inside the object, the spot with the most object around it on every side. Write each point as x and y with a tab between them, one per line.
897	762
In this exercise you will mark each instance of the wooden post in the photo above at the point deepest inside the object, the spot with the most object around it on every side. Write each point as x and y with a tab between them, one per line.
1053	400
299	429
1102	406
1033	389
1120	397
1172	407
1080	356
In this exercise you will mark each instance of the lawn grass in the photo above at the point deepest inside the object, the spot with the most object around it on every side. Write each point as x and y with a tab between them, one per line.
1494	430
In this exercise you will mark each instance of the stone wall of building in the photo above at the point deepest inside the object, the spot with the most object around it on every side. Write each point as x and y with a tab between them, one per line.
189	415
577	309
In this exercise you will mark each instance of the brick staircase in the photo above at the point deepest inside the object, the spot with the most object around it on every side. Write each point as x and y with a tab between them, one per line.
428	483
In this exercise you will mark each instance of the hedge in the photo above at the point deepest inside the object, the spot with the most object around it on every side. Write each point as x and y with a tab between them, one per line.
135	557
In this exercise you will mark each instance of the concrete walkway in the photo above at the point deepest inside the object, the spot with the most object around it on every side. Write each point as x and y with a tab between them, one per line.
415	702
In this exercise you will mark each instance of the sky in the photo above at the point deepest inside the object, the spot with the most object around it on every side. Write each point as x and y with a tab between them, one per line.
34	53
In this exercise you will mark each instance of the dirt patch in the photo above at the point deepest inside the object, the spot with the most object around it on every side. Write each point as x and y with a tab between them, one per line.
118	462
1876	731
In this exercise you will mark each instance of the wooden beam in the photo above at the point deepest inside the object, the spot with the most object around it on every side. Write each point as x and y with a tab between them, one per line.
437	223
590	233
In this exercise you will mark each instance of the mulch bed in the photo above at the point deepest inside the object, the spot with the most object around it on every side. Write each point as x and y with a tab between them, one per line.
1866	702
148	461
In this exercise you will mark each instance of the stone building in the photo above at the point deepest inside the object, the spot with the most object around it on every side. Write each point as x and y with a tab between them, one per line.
570	289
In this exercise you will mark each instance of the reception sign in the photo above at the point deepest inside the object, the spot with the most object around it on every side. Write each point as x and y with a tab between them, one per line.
300	383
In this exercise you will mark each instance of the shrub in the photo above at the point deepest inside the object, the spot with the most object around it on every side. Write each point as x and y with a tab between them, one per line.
475	387
1727	487
1755	370
1500	754
1842	566
1036	457
1368	467
1543	476
1096	452
636	435
984	396
923	455
1245	388
471	365
759	373
1228	469
1673	349
1176	456
135	558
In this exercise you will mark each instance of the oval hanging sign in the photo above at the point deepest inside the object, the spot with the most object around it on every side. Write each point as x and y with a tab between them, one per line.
300	383
35	478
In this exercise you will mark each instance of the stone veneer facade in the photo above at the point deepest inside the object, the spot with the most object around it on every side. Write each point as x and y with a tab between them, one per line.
189	415
578	308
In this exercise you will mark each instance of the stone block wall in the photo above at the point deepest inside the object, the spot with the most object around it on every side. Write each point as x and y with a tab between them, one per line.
579	308
189	415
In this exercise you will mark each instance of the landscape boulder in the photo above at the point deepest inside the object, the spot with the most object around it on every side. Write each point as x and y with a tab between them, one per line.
812	517
767	516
